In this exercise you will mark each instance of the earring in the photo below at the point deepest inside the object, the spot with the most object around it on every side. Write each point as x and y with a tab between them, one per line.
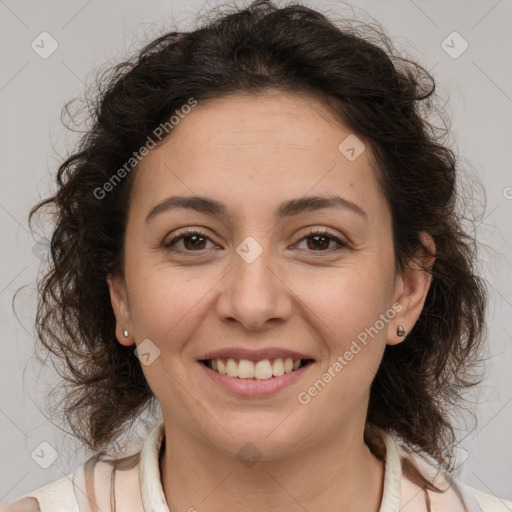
125	333
400	331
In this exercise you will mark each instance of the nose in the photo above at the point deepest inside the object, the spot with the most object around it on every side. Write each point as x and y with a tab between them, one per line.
254	293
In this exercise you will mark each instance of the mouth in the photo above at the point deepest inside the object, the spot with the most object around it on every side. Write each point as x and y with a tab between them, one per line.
264	369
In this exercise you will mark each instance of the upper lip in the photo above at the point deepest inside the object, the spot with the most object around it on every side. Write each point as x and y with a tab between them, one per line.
254	355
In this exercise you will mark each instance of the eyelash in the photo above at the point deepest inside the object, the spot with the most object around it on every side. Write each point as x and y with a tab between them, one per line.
313	232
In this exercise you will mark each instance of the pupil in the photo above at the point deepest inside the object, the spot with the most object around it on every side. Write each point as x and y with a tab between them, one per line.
316	238
195	243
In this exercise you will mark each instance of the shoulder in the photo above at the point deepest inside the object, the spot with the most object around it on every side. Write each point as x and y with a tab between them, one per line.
57	496
454	496
90	486
67	494
488	502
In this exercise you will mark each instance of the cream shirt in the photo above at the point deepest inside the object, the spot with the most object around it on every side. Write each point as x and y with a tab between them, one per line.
135	486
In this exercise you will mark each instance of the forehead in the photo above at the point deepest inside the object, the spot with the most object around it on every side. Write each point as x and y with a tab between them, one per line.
250	151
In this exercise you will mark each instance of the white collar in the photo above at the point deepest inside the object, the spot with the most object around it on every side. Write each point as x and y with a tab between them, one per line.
153	497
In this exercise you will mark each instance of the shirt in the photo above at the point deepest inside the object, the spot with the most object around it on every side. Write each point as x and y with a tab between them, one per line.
133	484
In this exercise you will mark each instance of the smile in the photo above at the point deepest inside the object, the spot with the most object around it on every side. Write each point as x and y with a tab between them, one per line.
255	379
260	370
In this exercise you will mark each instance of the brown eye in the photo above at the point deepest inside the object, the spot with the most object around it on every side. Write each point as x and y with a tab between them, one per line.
193	241
319	241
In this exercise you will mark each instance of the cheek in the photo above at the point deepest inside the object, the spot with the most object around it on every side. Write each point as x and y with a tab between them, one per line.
350	314
166	304
350	297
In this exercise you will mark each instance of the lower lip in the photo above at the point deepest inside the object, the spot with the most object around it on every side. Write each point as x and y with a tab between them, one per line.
255	387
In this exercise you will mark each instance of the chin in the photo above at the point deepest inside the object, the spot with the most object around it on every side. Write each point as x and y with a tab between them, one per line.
264	440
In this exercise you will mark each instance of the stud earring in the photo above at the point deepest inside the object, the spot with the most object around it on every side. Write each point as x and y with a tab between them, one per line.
400	331
125	333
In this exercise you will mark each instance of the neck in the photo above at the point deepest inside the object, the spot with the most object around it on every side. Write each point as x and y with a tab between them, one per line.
342	471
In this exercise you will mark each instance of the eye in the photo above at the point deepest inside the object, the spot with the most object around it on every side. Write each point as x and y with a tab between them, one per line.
320	240
193	241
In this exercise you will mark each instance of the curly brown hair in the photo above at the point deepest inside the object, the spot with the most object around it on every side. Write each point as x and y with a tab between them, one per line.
384	98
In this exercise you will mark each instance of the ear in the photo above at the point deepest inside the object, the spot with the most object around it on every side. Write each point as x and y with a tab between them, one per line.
119	301
411	288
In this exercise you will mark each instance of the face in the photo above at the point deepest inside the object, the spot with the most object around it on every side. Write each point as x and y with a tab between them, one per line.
262	274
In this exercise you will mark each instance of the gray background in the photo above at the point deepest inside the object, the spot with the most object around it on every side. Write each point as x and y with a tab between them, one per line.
478	85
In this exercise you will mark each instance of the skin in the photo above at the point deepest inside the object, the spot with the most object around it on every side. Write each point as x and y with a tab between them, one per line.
252	153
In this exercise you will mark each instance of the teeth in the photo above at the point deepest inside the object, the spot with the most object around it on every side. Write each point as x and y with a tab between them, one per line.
246	369
278	367
262	370
221	366
232	368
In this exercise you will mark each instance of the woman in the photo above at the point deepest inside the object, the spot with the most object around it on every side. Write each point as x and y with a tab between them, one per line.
259	235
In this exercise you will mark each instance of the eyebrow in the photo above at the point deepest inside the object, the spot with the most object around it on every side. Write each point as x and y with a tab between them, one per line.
289	208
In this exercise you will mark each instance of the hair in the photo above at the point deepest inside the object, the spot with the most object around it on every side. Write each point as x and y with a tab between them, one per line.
384	98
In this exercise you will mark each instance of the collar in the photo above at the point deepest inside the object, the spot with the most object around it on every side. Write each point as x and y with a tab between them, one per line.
153	497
